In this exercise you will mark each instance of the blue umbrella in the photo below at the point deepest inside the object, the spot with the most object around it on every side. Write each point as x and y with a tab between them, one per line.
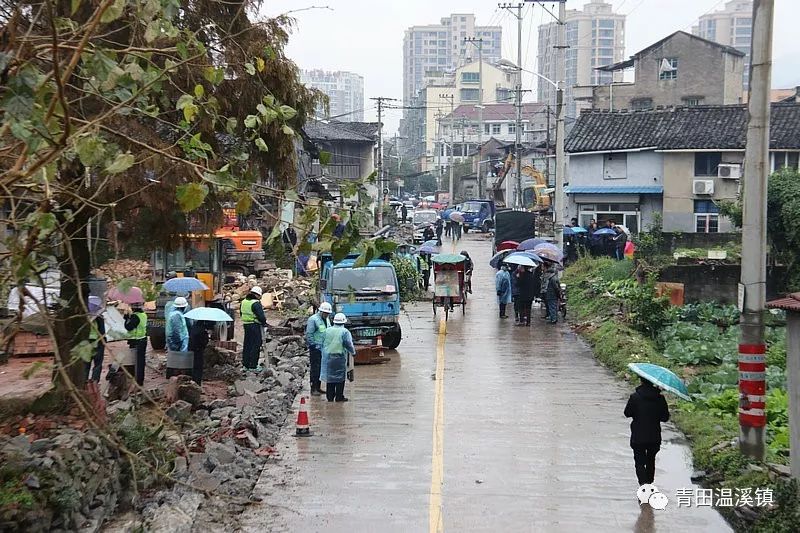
497	258
605	231
573	230
532	255
520	259
661	377
184	285
530	244
429	247
212	314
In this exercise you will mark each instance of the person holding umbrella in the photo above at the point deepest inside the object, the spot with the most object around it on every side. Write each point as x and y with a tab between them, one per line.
136	325
317	324
439	229
551	290
337	347
648	409
502	283
515	295
527	292
254	321
198	340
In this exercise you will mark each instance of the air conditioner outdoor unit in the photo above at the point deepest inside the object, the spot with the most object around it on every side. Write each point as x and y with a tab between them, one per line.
729	171
703	187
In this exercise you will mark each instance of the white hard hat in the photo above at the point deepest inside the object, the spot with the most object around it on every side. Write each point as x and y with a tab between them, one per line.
181	302
339	318
257	290
325	307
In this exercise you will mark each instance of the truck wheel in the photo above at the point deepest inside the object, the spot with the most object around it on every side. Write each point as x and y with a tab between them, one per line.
158	338
486	226
392	338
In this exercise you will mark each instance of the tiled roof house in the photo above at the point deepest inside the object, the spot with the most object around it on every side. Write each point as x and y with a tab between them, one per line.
675	161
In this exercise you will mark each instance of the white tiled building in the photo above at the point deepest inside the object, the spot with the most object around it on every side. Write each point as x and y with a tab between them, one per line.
344	89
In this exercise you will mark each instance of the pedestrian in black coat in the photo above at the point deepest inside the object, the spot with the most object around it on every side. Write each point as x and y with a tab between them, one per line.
527	292
648	409
427	234
198	340
439	230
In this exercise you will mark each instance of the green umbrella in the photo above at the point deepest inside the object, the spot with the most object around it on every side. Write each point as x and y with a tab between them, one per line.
451	259
661	377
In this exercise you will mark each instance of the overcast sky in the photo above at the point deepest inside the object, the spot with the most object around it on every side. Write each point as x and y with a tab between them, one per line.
366	37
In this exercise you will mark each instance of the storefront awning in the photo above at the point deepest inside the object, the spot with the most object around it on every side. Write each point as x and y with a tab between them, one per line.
599	189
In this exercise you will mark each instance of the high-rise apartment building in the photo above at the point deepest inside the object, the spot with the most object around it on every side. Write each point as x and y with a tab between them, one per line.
595	36
441	47
345	92
732	26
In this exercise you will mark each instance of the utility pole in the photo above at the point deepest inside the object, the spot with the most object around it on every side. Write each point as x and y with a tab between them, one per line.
561	74
561	71
380	199
547	150
517	155
451	97
752	348
473	40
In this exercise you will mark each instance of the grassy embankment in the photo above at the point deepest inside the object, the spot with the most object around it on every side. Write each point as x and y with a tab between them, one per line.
625	322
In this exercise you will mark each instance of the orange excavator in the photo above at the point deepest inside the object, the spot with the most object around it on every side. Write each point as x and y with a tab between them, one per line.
242	250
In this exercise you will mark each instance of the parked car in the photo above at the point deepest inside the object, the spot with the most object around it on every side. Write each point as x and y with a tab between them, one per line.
422	218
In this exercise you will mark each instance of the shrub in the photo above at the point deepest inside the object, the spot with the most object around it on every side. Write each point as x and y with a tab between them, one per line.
408	277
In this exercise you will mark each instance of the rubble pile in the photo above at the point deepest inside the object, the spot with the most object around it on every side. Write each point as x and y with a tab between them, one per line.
67	482
227	440
118	269
281	290
403	234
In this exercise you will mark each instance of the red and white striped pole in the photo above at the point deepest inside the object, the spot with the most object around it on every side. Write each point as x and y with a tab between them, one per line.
752	385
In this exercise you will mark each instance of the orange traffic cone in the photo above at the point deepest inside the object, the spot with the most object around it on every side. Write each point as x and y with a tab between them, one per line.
302	420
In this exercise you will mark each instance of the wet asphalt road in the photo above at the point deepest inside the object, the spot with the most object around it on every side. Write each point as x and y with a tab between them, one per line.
533	438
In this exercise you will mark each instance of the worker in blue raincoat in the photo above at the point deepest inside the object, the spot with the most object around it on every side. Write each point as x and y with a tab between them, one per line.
176	330
502	284
315	335
337	347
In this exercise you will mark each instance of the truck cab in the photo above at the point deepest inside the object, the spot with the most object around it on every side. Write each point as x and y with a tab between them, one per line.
478	215
368	296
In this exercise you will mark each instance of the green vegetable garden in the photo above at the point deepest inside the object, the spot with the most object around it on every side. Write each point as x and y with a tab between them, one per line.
627	321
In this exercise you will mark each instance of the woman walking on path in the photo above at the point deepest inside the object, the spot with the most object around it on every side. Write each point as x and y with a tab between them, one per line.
648	408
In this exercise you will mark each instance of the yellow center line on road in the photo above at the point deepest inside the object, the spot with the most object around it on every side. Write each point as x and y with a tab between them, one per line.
436	517
436	522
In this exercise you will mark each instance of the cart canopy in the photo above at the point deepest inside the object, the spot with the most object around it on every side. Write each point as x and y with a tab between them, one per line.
449	259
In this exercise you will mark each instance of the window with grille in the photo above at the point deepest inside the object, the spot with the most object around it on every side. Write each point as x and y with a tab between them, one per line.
706	216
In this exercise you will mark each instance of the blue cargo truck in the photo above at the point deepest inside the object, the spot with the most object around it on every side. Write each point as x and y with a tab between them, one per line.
478	215
369	297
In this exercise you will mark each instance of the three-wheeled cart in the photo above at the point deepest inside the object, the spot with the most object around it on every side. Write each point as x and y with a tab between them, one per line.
449	283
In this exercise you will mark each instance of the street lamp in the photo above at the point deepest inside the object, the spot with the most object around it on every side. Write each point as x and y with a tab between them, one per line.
558	204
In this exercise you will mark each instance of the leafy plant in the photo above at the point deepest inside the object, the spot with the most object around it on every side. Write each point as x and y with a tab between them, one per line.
407	276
